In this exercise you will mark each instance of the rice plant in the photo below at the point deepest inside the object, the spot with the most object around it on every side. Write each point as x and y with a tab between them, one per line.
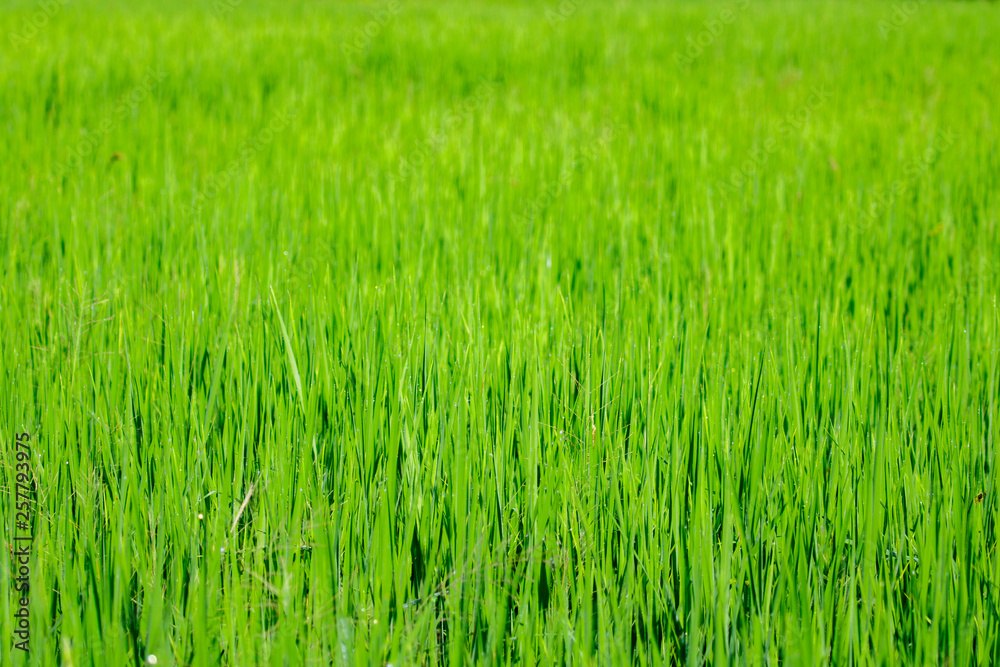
493	332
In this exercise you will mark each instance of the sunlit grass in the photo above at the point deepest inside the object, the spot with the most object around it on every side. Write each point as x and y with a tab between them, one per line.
503	335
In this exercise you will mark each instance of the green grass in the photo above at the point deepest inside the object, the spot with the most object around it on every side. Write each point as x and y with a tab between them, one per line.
511	336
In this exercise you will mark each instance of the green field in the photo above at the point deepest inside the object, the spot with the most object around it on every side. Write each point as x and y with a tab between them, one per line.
498	332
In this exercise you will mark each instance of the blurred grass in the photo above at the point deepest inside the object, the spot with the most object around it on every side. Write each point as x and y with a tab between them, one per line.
555	391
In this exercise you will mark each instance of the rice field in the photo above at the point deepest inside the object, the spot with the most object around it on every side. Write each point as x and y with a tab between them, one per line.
592	332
